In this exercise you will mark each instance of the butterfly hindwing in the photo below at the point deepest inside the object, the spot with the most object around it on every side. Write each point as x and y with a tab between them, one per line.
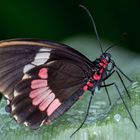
47	91
65	106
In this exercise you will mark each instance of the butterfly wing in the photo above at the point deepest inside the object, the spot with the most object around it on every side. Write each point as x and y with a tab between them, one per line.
47	91
19	56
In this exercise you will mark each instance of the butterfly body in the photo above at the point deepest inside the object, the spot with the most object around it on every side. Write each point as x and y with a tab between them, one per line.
99	74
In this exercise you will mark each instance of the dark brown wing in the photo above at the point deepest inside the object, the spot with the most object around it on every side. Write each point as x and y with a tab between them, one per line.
20	55
47	91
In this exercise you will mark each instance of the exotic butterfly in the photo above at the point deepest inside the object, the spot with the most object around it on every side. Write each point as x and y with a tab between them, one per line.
43	79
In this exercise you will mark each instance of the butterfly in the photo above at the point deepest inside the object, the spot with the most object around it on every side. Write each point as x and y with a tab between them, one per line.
43	79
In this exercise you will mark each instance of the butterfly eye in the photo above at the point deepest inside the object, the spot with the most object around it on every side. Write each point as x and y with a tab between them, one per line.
106	56
103	56
110	67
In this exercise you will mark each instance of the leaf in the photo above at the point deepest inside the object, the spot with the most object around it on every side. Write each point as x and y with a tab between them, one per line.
104	122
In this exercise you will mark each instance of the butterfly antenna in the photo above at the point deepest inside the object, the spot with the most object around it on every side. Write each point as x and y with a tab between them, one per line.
94	26
117	43
113	45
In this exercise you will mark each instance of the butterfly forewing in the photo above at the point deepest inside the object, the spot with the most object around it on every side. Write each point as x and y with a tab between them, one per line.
21	55
14	62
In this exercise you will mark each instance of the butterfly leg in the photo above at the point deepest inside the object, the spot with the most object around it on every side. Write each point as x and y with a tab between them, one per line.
109	99
115	71
122	101
125	105
107	85
85	115
122	73
118	74
106	77
123	84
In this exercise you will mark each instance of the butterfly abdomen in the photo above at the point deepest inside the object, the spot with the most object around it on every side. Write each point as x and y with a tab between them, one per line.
97	75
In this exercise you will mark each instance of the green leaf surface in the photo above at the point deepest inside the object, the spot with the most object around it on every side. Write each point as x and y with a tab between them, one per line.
104	122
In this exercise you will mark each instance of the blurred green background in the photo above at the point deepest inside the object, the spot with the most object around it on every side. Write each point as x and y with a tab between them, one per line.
60	19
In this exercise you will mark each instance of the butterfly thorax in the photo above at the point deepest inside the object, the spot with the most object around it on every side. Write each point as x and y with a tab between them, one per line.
99	74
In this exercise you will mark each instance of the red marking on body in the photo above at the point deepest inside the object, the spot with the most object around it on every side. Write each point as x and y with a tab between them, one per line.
101	64
104	66
96	77
101	71
53	106
85	88
104	61
43	73
89	84
38	83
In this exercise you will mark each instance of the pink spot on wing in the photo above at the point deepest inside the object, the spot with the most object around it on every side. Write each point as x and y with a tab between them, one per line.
43	73
41	97
37	92
53	106
38	83
46	102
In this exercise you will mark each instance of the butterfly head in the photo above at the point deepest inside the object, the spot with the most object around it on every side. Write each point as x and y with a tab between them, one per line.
106	62
106	56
